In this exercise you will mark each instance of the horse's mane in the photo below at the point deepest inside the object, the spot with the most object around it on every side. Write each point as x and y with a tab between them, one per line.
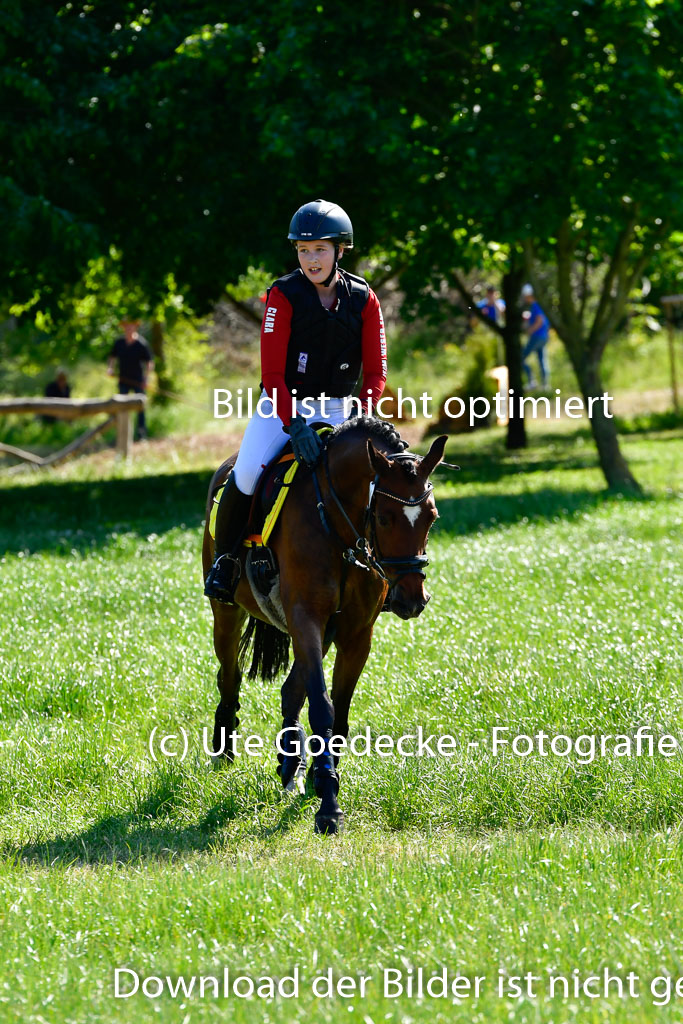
373	427
382	430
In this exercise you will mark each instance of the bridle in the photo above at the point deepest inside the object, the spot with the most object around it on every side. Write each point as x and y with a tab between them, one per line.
365	552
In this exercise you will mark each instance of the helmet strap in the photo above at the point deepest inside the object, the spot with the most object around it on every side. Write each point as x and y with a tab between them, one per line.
332	273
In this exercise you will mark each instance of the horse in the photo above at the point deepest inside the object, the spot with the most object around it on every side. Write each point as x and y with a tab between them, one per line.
350	541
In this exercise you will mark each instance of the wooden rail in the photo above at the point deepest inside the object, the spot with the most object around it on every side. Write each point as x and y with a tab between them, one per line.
119	409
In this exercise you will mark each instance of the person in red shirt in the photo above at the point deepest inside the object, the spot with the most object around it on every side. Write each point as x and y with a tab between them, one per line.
322	328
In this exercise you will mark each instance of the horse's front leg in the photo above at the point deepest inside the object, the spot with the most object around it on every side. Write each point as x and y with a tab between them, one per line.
352	653
307	641
292	755
292	752
227	627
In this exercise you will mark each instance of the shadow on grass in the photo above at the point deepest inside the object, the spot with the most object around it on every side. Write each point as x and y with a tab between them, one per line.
145	833
490	461
474	513
491	466
62	516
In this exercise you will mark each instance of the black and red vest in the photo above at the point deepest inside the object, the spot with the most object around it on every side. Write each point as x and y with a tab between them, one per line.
324	353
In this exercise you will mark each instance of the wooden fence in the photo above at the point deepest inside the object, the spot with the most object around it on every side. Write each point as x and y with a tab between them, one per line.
119	409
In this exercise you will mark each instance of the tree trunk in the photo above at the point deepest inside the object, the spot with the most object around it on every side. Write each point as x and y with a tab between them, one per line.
512	284
157	345
612	462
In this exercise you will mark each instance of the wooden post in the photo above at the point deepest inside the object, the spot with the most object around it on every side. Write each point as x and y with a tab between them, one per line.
124	434
672	362
500	375
669	301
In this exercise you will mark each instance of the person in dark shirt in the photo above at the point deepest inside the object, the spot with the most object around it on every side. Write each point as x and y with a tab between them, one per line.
134	358
57	388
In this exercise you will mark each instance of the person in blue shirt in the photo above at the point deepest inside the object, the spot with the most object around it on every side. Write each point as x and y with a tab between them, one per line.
537	327
491	307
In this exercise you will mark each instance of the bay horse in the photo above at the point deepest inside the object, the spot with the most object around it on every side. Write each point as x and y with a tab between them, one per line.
350	541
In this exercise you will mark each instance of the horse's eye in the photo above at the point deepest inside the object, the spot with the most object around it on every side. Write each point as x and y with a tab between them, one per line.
382	521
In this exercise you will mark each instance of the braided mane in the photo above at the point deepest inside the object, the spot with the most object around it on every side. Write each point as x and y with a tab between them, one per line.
382	430
373	427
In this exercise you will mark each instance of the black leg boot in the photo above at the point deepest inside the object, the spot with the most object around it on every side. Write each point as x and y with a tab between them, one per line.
231	521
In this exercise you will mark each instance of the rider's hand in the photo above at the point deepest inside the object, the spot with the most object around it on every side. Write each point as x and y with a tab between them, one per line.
306	444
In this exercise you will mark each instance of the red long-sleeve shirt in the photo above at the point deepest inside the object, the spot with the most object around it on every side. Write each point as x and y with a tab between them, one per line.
275	332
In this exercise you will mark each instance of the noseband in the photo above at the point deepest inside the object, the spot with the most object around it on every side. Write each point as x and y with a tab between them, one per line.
366	554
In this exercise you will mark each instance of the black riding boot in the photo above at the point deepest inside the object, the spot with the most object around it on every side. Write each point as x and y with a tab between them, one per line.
231	520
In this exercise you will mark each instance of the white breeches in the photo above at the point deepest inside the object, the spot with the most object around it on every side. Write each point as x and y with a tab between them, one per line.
265	437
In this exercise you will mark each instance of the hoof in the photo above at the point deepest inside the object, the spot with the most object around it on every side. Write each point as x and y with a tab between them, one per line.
328	824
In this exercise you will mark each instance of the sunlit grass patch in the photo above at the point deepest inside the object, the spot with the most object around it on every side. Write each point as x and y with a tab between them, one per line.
554	608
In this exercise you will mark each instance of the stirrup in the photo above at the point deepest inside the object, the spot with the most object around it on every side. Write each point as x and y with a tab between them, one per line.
221	582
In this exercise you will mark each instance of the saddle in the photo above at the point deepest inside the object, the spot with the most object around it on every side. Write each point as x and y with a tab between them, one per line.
269	498
271	493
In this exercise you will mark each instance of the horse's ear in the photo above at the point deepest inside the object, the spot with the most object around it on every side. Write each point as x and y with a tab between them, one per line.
433	456
378	460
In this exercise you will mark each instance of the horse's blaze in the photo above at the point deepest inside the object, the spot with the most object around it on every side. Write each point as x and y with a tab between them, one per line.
411	512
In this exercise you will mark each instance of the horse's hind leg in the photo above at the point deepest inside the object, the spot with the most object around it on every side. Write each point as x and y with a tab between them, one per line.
227	627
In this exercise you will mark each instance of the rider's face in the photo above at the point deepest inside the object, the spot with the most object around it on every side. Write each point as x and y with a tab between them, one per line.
316	259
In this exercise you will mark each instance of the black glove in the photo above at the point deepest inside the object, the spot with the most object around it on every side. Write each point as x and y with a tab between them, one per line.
306	444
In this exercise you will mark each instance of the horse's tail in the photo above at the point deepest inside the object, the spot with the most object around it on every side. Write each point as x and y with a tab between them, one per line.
270	653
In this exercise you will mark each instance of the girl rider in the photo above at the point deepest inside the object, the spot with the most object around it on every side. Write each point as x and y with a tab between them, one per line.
322	326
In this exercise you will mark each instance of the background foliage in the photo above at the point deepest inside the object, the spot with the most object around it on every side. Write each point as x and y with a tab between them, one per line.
151	156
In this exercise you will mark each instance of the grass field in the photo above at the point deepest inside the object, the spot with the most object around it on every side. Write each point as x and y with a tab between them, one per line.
554	607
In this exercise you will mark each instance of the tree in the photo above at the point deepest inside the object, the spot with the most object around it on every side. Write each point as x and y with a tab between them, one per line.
495	126
572	130
127	132
548	132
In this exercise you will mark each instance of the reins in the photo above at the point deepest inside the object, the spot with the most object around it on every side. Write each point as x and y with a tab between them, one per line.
360	554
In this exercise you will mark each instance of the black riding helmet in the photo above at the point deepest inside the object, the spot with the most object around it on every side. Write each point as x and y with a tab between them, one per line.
322	220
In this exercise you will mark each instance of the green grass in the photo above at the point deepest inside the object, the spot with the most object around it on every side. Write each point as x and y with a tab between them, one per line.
554	607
